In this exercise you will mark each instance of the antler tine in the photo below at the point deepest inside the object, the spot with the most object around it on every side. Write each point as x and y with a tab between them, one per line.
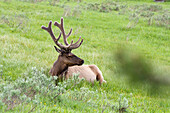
67	47
49	30
61	27
76	45
76	42
69	33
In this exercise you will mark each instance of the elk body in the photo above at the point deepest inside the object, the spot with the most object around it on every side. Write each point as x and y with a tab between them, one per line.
68	63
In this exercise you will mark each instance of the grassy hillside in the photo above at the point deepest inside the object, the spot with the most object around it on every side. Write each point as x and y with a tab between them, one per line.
115	33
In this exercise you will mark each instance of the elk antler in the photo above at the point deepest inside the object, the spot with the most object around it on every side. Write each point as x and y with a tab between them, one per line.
68	46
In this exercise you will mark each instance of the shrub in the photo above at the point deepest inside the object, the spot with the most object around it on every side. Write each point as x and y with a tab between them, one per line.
106	6
15	22
36	87
68	11
163	19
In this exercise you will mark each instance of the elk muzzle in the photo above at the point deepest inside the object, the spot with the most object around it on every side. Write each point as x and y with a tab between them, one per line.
81	62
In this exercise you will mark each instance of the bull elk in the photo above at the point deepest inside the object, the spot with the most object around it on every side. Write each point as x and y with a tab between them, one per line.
68	63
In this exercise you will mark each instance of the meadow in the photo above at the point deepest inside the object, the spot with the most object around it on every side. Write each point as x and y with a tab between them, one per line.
128	40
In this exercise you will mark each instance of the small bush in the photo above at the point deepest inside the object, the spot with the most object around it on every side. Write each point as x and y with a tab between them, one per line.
16	22
76	11
105	6
53	2
163	19
68	11
139	70
133	20
153	14
36	87
32	1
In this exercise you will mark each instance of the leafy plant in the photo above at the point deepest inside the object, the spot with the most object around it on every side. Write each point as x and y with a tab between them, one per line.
32	1
140	70
133	20
37	85
15	22
106	6
67	11
163	19
76	11
53	2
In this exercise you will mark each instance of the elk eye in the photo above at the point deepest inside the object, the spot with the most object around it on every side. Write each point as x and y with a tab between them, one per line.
69	56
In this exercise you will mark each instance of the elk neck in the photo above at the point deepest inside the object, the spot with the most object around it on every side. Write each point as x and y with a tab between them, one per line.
59	67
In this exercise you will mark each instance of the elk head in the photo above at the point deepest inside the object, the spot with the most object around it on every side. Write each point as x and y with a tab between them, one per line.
65	58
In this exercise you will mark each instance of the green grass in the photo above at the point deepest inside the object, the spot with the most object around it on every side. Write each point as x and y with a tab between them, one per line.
23	45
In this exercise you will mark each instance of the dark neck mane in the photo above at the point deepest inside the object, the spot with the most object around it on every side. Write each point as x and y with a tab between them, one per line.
58	68
64	71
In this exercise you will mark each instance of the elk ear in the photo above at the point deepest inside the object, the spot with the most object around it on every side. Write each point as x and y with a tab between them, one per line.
58	50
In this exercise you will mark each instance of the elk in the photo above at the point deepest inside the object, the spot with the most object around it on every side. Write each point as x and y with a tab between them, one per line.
68	63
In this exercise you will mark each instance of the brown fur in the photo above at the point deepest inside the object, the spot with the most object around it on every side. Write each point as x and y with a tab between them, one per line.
68	63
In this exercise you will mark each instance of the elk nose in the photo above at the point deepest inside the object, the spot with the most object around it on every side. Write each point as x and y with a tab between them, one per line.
82	61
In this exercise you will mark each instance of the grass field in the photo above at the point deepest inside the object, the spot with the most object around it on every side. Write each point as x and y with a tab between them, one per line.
118	36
